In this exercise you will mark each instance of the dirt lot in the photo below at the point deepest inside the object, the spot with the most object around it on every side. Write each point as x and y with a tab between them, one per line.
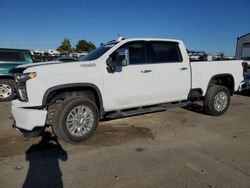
176	148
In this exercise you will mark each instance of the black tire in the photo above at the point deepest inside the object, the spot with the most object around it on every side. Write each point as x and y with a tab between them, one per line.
59	123
6	88
211	100
55	127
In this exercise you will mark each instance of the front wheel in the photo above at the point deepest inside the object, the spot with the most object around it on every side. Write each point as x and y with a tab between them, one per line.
76	119
217	100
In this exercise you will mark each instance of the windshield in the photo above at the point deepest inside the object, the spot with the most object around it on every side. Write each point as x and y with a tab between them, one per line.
95	54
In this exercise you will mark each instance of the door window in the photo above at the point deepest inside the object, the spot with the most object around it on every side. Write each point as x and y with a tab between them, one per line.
137	53
162	52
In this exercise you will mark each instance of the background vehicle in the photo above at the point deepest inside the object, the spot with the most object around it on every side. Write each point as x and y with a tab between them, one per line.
66	59
121	78
247	60
10	58
197	56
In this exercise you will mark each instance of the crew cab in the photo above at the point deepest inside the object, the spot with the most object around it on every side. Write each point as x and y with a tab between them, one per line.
10	58
121	78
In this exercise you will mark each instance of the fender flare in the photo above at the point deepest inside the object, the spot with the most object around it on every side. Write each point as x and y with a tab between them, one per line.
74	85
221	75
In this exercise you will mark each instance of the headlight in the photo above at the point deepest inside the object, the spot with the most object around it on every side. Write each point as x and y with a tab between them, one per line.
25	77
21	80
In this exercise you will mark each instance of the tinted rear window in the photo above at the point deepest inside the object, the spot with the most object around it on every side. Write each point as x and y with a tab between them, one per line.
161	52
11	56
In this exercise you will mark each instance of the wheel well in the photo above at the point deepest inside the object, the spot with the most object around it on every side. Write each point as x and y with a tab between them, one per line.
223	80
59	94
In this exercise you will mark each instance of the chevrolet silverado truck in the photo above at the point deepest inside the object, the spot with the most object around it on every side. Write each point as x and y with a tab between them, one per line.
10	58
121	78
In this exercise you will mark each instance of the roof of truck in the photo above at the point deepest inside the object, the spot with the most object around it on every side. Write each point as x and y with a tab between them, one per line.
151	39
124	40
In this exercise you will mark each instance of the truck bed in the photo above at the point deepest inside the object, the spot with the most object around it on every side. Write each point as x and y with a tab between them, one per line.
203	71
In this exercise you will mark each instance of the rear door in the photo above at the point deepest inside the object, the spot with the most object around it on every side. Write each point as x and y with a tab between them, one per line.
171	73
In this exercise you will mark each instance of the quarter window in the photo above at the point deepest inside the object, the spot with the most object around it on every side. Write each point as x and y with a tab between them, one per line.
161	52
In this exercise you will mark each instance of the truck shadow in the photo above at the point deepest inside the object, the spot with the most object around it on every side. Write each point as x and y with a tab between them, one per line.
44	170
245	93
107	135
197	108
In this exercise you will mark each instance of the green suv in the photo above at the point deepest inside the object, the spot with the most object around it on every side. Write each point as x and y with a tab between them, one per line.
10	58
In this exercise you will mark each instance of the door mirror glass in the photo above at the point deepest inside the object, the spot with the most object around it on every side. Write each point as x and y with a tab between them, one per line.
122	57
119	58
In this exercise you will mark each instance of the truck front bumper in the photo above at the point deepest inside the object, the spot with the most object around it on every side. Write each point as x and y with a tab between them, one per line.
31	122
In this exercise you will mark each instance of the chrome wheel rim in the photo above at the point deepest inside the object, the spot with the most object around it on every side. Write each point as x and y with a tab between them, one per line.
220	101
5	91
80	120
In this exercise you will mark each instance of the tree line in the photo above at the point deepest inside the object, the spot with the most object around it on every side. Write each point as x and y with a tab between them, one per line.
81	46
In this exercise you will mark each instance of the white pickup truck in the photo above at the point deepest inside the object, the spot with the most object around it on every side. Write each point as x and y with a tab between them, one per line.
120	78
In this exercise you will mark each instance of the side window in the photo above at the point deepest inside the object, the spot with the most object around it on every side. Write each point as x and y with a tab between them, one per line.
137	53
161	52
11	56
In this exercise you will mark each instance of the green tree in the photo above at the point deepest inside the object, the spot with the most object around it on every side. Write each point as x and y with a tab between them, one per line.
65	46
73	49
222	55
84	46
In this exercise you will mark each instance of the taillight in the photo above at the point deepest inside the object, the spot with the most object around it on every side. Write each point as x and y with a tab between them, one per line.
245	67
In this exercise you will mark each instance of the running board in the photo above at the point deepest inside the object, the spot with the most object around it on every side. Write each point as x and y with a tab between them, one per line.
145	110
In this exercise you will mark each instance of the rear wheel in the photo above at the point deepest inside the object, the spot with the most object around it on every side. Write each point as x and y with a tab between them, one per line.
217	100
6	90
76	119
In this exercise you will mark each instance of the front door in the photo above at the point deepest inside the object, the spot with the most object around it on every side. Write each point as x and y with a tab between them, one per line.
131	85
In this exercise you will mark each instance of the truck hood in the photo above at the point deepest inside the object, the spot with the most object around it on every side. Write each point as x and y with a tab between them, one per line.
51	63
39	64
21	68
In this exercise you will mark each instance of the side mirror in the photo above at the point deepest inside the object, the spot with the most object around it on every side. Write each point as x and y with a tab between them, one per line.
119	59
122	57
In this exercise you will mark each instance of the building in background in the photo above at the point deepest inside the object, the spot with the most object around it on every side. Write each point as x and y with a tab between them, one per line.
243	47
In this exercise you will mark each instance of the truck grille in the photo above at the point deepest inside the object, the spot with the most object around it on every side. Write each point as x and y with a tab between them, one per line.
20	89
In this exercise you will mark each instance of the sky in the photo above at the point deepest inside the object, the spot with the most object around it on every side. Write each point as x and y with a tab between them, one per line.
211	26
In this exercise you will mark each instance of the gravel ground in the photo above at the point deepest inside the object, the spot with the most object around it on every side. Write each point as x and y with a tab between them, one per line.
175	148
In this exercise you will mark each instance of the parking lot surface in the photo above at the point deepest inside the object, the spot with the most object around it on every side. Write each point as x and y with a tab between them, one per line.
174	148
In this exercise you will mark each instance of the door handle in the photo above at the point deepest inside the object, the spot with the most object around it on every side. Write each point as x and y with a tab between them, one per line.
146	71
183	68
